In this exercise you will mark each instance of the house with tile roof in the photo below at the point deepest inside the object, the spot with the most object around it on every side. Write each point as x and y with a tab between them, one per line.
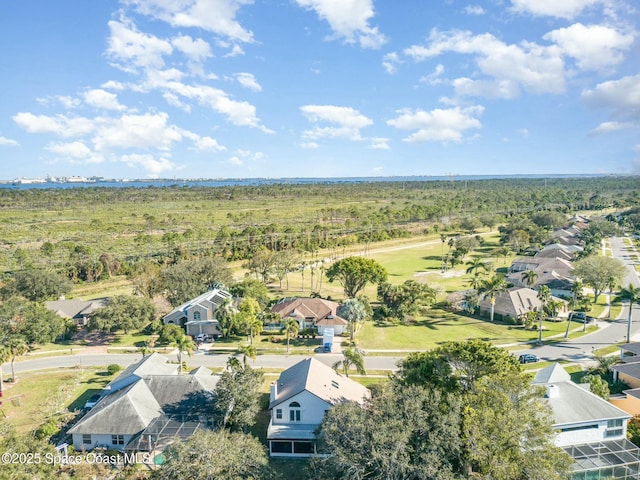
198	316
298	402
312	313
148	406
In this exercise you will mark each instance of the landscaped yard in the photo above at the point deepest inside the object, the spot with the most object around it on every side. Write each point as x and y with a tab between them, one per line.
39	395
441	326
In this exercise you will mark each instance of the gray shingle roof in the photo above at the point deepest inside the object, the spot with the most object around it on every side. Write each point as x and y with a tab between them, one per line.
574	404
320	380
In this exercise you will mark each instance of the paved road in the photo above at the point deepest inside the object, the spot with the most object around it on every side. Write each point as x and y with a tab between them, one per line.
580	349
215	360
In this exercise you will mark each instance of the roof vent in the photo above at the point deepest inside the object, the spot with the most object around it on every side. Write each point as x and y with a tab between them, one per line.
552	391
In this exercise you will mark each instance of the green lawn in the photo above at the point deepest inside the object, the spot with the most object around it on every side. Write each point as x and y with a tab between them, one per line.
441	326
38	395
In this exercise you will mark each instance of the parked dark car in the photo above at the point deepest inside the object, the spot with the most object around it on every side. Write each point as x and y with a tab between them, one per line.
528	358
581	317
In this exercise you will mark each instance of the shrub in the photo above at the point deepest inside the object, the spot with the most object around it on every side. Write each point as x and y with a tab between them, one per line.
113	368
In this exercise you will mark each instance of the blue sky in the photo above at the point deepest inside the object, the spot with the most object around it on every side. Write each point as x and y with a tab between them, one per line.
318	88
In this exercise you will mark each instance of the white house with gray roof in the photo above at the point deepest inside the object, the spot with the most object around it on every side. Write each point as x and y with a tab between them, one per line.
147	407
298	402
198	315
590	429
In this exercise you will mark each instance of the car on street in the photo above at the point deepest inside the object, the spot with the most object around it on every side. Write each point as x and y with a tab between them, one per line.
528	358
581	317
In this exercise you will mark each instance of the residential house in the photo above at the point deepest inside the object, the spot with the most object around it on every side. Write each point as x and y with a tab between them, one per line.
513	304
298	402
198	316
312	313
590	429
75	309
147	407
628	372
554	272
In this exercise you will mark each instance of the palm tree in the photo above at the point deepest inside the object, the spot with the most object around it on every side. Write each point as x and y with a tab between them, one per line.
255	329
630	294
544	295
576	290
183	344
291	329
353	311
443	237
16	347
529	278
248	351
351	357
4	356
491	288
474	267
234	364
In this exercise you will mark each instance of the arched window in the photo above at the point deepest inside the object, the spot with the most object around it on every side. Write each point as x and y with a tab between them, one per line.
294	412
196	316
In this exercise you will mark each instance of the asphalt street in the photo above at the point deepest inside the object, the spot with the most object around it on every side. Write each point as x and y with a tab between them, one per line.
577	350
581	349
197	360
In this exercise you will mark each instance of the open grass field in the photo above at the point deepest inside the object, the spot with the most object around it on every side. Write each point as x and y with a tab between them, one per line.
39	395
442	326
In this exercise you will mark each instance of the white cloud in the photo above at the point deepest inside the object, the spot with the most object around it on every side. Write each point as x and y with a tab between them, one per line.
148	131
154	166
247	80
309	145
235	160
443	125
196	50
553	8
209	144
349	19
621	96
390	62
238	113
113	85
235	51
7	142
60	124
474	10
134	48
76	152
434	78
102	99
217	16
529	66
379	143
594	47
348	120
608	127
68	102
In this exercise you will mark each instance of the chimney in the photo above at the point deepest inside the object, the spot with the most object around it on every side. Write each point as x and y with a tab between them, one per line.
553	391
274	392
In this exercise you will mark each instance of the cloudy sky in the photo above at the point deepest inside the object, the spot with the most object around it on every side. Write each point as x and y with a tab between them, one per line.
307	88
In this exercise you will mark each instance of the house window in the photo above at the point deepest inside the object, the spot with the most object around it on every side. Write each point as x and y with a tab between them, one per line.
294	412
196	316
614	428
117	439
86	439
279	413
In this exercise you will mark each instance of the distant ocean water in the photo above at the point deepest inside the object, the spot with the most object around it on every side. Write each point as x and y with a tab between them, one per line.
268	181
